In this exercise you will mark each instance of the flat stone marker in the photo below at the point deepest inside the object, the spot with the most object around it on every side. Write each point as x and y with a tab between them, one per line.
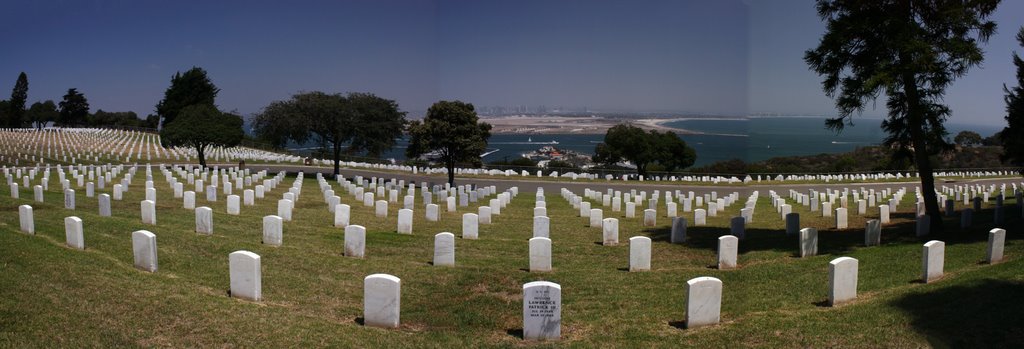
104	205
933	259
470	226
540	254
792	223
355	241
69	199
204	220
246	275
189	200
25	219
485	214
923	226
382	296
432	213
610	232
380	209
996	239
699	217
650	218
273	227
842	280
148	209
737	227
405	221
678	235
73	232
596	218
342	214
542	311
284	209
234	205
144	248
541	226
639	253
873	233
808	242
495	206
842	221
728	247
966	217
444	249
703	301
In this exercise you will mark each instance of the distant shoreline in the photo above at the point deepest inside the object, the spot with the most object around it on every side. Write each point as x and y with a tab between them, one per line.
534	125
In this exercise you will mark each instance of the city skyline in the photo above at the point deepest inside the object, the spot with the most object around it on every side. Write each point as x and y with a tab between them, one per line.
721	58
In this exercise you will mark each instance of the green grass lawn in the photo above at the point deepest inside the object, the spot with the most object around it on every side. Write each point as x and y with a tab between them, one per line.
54	296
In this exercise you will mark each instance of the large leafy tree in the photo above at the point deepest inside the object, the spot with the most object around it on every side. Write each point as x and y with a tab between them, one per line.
189	88
910	51
74	108
643	149
202	126
41	113
967	138
453	132
1010	137
19	95
357	123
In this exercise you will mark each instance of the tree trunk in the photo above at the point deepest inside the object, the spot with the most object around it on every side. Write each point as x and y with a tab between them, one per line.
924	166
450	164
337	159
202	156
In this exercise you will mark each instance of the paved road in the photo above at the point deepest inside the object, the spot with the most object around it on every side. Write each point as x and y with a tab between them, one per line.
527	185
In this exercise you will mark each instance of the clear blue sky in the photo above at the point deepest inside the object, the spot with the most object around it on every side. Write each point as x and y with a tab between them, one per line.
723	57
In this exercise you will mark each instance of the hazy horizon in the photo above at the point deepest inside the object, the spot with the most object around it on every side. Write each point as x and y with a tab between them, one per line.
728	57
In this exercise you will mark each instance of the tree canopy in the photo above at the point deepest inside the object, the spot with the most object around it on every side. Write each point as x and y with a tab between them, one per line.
910	51
189	88
1010	136
200	126
967	139
74	109
356	123
19	96
631	143
453	132
42	112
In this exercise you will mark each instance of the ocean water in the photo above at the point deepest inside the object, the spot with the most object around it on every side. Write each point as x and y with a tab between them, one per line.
750	140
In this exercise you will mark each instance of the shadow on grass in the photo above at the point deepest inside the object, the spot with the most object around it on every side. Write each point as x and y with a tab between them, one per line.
979	315
837	242
681	324
515	332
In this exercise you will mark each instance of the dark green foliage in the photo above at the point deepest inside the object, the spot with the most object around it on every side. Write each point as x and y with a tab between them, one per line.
115	119
5	108
358	123
192	87
1012	136
41	113
643	149
200	126
910	51
151	121
967	139
16	115
994	140
74	109
451	130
